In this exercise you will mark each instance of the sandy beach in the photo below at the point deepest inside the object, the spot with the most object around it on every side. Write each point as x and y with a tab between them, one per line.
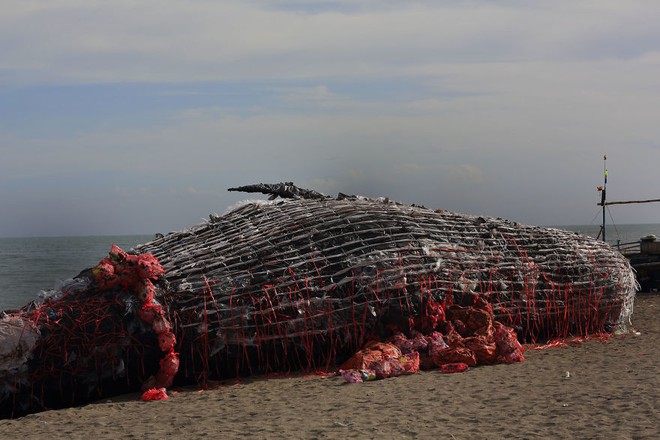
587	390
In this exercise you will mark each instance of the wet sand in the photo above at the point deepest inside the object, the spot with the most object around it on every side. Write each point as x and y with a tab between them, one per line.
587	390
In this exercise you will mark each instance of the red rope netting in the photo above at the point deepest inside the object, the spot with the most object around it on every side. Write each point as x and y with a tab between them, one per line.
285	326
306	285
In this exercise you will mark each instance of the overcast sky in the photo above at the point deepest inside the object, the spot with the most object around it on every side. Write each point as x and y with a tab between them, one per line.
136	116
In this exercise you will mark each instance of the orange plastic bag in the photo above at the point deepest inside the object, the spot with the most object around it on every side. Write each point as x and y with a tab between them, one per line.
370	356
455	355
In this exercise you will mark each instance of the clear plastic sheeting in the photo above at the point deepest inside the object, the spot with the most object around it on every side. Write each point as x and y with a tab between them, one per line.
17	338
303	284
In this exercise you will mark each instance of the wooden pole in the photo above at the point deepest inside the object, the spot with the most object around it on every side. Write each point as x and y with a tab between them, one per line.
631	201
604	191
603	196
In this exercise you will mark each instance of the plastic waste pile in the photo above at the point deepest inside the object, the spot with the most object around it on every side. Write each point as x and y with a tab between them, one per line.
135	273
460	338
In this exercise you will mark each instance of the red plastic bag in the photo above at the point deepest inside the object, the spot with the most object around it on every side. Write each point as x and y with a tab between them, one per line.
509	350
419	342
170	364
488	331
506	340
389	350
117	254
453	338
148	266
146	291
363	360
154	394
455	355
454	368
370	356
456	312
436	345
432	317
104	274
385	368
484	350
411	364
479	318
160	325
402	342
460	327
166	341
149	312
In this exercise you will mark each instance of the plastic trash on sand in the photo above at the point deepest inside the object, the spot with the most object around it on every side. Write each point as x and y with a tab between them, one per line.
458	367
357	376
154	394
471	337
380	360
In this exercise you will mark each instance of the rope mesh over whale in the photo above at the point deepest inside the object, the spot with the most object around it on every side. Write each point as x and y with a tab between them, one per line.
302	283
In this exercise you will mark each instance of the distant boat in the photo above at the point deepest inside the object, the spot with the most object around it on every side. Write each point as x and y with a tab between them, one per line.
644	256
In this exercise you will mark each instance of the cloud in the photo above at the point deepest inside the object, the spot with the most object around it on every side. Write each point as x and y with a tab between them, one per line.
466	173
463	173
477	106
172	41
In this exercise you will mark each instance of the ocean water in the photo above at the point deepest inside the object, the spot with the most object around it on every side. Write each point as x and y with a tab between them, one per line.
30	265
619	234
